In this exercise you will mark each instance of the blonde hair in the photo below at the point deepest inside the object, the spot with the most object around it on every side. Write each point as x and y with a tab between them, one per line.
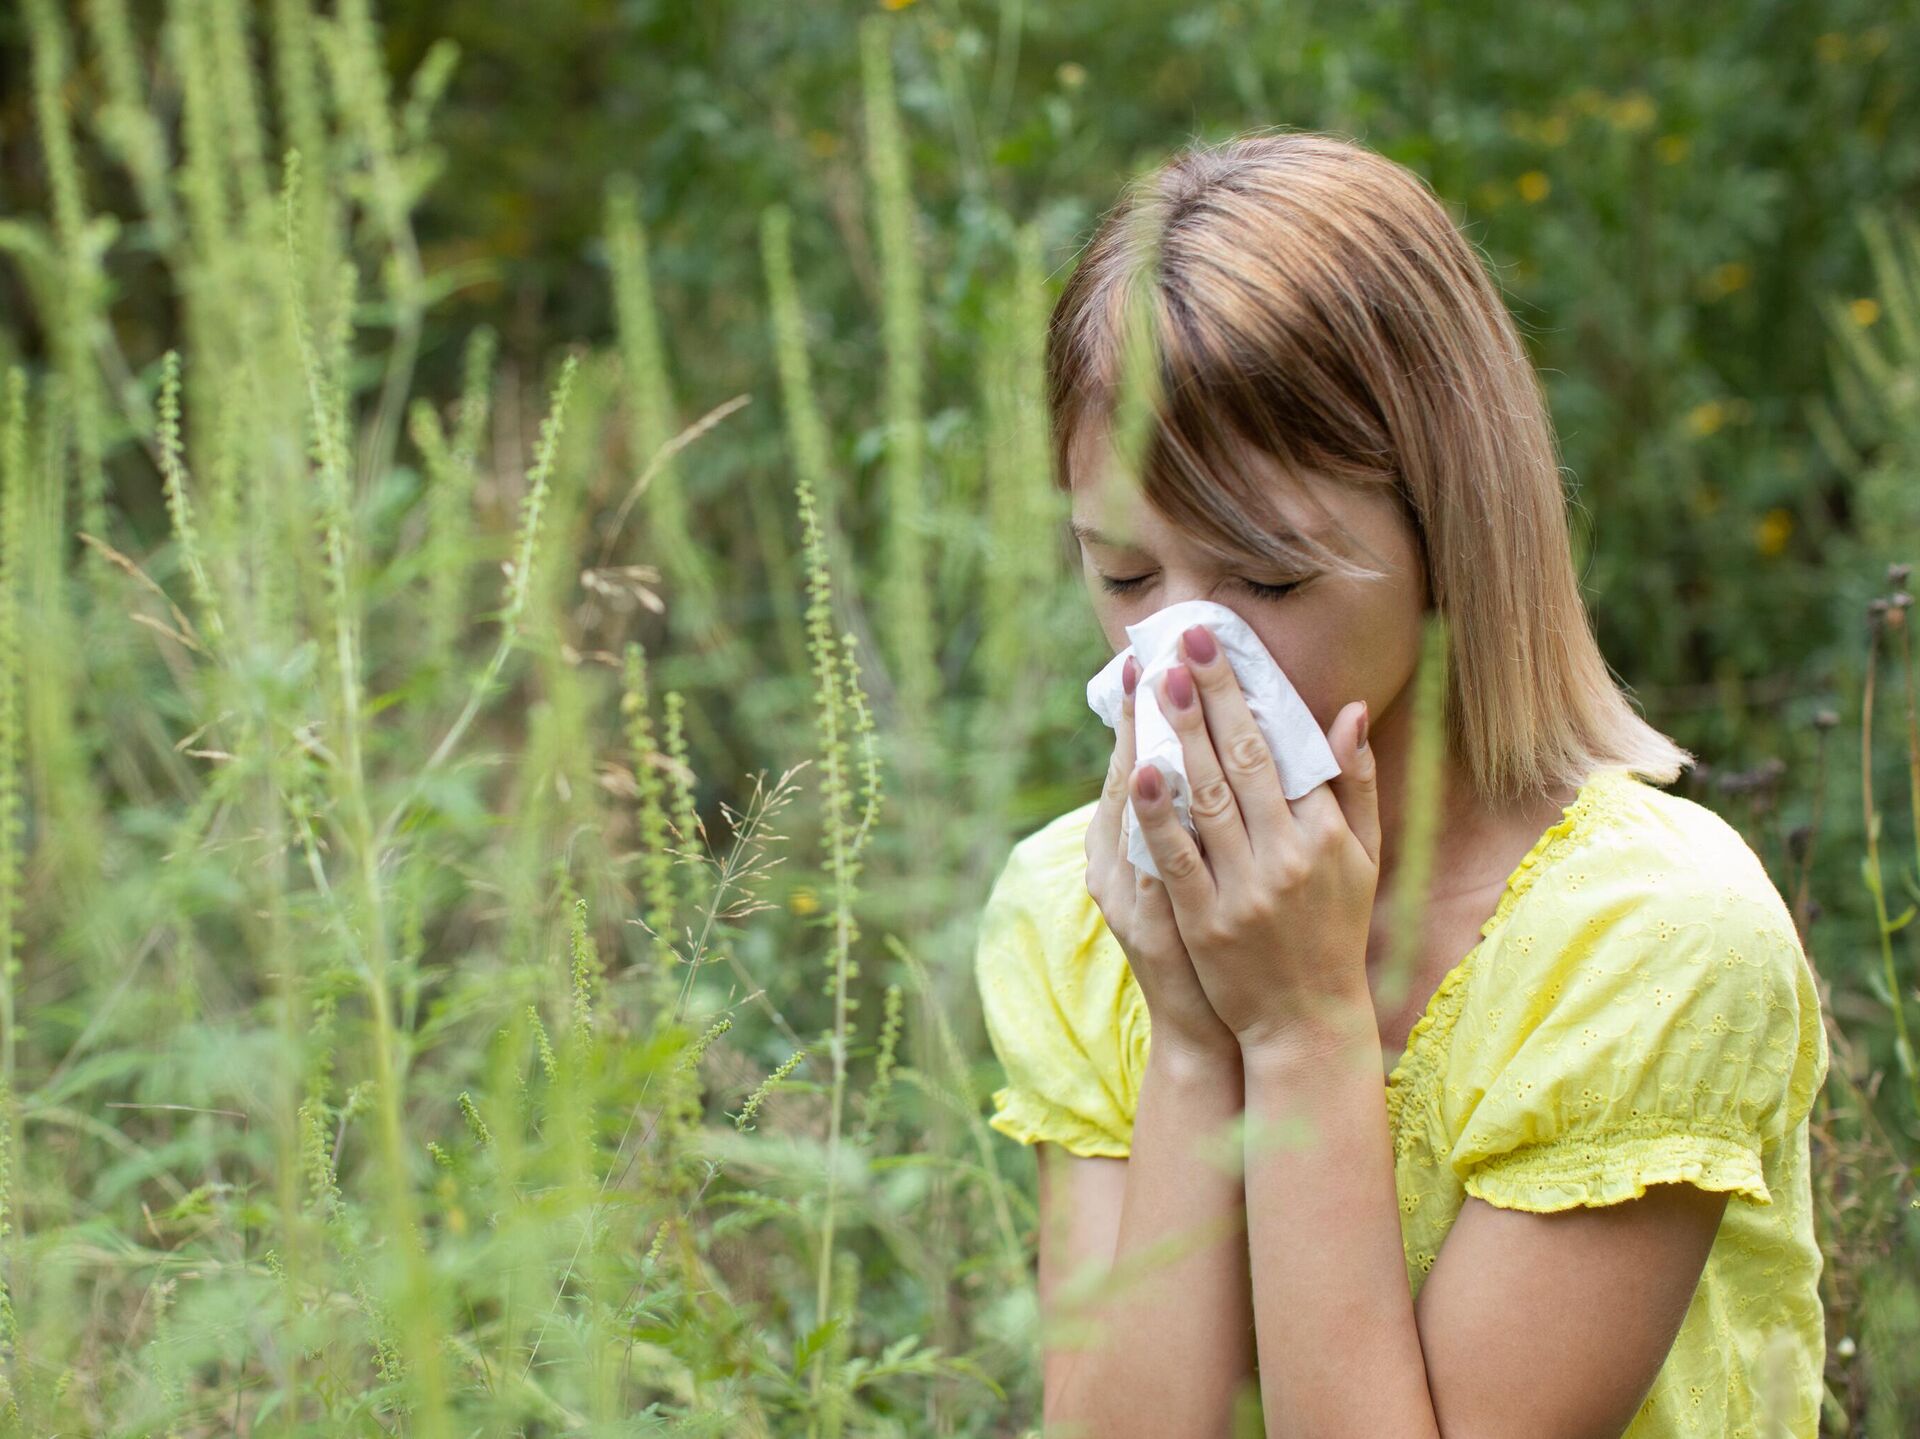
1311	302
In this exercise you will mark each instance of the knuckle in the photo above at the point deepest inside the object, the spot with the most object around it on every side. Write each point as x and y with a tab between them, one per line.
1213	936
1183	866
1212	798
1248	753
1261	912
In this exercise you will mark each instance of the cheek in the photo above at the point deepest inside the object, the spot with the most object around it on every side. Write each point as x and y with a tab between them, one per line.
1360	649
1311	654
1112	619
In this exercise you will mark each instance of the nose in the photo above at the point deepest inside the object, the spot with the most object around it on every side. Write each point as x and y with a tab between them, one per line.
1175	588
1174	591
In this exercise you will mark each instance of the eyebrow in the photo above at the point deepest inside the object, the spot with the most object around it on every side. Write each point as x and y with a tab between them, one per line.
1094	536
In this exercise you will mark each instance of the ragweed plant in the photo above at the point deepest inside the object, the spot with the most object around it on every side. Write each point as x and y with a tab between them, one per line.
384	953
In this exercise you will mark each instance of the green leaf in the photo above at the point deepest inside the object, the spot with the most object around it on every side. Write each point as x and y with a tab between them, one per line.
811	1345
1894	926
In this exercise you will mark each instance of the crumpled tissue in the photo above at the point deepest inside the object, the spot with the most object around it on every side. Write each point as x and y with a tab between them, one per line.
1299	747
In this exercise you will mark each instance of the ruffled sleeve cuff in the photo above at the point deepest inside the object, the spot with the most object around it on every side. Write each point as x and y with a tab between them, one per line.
1610	1167
1020	1114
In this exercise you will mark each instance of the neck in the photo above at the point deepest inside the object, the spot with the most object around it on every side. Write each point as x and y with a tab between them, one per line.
1460	815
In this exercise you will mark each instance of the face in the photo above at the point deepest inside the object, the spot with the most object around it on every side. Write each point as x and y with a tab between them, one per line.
1338	639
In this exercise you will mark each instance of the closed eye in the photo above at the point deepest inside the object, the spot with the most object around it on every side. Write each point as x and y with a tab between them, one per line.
1269	592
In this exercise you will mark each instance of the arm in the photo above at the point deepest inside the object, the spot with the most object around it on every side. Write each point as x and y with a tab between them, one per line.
1551	1326
1174	1342
1542	1325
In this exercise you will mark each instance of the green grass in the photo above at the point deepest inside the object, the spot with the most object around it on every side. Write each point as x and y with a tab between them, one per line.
487	876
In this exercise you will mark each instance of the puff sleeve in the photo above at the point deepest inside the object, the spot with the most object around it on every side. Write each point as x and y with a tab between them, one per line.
1056	1011
1670	1032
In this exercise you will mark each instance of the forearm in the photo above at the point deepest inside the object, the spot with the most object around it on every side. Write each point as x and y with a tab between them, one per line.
1339	1345
1173	1321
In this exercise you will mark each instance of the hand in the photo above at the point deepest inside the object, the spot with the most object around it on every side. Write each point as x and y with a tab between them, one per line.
1141	918
1274	902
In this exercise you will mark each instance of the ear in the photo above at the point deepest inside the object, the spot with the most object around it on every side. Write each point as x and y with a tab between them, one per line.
1356	786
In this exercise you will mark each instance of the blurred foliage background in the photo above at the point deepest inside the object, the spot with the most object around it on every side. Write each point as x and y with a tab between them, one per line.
762	257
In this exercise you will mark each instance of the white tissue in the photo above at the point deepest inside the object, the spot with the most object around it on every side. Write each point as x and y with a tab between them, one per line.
1299	748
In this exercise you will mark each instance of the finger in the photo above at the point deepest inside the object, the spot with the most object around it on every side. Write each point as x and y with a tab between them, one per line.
1241	750
1103	832
1124	753
1182	869
1215	812
1153	908
1356	787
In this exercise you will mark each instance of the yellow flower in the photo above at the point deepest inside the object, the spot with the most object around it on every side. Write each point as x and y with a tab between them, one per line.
1831	47
1533	186
1864	311
1725	279
896	4
1770	535
802	901
1071	75
1634	111
1672	149
1705	419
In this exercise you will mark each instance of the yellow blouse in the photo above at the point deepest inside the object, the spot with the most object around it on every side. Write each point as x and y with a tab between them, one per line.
1638	1010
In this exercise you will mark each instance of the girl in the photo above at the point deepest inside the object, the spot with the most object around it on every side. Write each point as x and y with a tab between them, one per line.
1578	1205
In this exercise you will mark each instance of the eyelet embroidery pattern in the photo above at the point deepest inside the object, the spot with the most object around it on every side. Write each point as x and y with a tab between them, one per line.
1762	1274
1443	1006
1653	1023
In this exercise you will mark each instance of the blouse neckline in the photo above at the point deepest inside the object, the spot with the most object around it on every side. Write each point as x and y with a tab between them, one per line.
1417	1058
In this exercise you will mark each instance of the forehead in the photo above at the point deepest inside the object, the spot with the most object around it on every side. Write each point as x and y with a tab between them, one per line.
1109	508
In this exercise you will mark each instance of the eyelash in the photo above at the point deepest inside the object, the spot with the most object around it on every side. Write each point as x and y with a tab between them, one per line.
1266	592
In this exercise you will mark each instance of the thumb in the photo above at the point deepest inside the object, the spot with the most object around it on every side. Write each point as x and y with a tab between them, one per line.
1356	786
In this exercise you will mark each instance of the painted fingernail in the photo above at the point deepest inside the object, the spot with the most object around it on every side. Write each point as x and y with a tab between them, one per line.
1200	646
1150	783
1180	688
1129	674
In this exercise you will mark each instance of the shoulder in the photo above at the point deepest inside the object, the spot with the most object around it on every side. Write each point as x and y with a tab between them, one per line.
1061	1009
1061	840
1665	874
1043	879
1038	913
1695	843
1646	1013
1652	959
